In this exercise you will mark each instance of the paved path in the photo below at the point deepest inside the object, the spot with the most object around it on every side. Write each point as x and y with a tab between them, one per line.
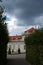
17	60
16	56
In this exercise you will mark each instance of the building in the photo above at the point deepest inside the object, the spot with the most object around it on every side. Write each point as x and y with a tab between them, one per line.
29	31
15	43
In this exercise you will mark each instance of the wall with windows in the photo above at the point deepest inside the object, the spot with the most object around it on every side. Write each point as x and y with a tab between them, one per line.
15	45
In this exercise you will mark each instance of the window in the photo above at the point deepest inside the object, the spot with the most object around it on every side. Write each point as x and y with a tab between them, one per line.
9	46
18	45
13	46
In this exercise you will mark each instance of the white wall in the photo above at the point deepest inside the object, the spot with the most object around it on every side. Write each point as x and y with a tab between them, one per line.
15	45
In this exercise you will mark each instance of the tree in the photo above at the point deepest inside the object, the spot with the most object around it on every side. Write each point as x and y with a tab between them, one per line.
3	37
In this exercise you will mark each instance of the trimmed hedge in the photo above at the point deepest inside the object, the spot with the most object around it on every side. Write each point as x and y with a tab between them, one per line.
34	48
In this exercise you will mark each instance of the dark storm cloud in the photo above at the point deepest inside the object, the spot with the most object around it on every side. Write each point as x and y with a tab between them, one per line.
24	10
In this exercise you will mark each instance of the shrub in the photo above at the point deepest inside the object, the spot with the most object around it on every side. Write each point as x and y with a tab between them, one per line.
34	48
19	51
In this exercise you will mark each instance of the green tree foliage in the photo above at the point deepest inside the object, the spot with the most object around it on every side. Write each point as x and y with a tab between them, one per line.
34	48
3	38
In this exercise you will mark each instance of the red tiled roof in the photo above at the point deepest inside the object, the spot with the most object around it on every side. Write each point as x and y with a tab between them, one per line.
15	37
30	30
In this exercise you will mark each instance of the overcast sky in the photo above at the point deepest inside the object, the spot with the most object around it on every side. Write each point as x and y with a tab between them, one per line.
22	14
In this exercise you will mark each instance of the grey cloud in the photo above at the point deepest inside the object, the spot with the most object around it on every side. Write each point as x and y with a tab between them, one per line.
24	10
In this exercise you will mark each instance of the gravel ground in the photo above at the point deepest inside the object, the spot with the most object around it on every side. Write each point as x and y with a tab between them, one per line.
18	59
16	56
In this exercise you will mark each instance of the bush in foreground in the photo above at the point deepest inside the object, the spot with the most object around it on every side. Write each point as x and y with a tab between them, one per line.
34	48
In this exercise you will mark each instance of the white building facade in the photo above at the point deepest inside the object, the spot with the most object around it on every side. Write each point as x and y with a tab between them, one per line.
16	44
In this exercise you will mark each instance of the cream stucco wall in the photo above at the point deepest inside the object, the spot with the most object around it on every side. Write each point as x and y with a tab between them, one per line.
15	45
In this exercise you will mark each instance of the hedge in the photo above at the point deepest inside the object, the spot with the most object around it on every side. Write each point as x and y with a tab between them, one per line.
34	48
